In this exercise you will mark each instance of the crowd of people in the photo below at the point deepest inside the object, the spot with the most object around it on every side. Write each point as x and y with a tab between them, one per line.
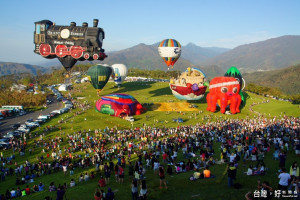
157	149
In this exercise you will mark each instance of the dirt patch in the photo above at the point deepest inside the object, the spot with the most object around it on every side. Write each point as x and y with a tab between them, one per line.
173	106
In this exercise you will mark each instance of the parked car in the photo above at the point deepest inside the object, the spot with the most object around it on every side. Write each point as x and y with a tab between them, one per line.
15	126
5	140
52	114
44	117
179	120
32	124
22	112
29	120
4	145
129	118
25	130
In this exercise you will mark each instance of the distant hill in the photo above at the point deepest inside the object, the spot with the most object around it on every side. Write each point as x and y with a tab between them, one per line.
197	55
270	54
287	79
7	68
143	56
212	71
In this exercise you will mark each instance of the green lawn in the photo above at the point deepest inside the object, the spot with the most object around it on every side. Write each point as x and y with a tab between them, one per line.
179	186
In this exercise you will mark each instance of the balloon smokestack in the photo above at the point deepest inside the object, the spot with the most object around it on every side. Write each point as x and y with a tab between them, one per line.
95	22
84	24
73	24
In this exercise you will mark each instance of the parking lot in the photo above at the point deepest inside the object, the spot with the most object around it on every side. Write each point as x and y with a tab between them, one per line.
10	121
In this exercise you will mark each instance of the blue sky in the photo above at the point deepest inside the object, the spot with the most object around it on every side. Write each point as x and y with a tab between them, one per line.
206	23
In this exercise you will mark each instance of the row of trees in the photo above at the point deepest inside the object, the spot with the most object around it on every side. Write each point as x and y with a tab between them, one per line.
153	73
24	98
263	90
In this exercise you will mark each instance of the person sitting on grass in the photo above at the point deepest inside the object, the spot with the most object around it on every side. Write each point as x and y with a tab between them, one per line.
86	177
92	175
35	188
81	178
206	173
249	171
178	169
41	186
28	190
52	187
13	193
260	171
72	183
169	170
197	175
98	194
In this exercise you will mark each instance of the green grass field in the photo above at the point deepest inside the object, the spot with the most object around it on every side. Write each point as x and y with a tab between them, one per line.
179	185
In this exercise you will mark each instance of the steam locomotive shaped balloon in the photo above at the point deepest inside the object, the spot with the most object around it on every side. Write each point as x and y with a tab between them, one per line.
69	43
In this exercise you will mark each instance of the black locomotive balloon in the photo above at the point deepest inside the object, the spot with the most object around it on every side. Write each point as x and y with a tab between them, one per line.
69	43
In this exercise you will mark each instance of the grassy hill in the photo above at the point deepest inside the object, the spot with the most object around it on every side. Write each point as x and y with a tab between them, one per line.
179	185
270	54
287	79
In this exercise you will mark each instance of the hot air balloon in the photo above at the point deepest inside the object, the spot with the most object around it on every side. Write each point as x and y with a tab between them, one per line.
235	73
69	43
224	91
98	75
120	73
119	105
190	85
169	50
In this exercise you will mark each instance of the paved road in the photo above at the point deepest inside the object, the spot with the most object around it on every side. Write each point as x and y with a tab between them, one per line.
8	122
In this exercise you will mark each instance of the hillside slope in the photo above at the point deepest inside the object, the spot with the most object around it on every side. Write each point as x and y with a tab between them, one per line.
7	68
287	79
270	54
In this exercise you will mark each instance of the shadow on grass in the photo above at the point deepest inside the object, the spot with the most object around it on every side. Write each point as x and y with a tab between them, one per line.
134	86
155	106
161	91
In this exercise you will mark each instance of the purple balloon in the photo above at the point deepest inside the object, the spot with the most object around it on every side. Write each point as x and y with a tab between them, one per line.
195	87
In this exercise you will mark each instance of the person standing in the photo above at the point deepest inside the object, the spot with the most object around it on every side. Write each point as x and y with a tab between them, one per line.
282	159
110	195
106	173
130	170
60	193
162	177
134	189
284	180
231	174
65	169
294	170
143	191
121	174
101	182
71	169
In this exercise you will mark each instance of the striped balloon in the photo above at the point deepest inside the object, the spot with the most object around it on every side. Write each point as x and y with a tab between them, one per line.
169	50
